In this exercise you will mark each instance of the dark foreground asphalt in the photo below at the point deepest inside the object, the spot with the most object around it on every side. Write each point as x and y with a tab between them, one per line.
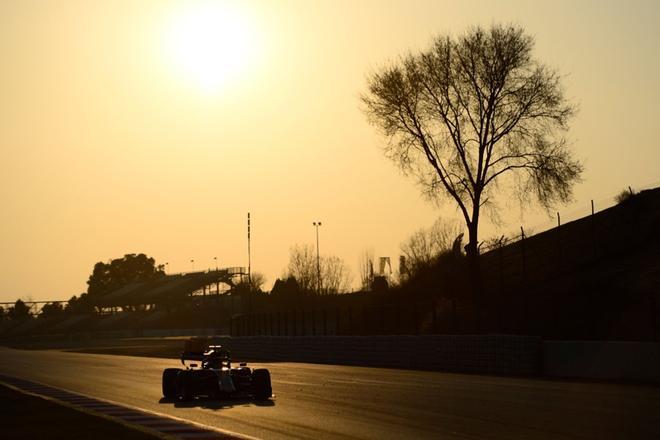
324	401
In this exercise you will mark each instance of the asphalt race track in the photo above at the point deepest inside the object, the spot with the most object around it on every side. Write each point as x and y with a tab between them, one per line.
325	401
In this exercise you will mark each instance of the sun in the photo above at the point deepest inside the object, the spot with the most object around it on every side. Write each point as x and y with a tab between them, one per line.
210	44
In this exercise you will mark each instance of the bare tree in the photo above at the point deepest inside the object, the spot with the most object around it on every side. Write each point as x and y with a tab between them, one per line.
425	244
625	195
335	274
257	280
302	266
366	264
474	114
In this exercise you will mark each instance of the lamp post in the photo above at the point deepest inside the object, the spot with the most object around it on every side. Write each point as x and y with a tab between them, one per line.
318	259
192	261
216	263
167	268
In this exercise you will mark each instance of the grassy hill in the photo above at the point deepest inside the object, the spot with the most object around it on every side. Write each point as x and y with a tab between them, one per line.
594	278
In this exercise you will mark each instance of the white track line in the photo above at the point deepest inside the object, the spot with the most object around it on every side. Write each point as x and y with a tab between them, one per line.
163	425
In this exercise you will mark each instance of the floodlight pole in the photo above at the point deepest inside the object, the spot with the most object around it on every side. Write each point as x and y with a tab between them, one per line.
318	259
249	256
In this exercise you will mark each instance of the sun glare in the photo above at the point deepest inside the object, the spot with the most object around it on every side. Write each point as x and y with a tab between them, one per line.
210	45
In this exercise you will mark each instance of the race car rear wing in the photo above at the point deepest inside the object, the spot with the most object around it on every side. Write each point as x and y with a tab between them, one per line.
199	350
190	356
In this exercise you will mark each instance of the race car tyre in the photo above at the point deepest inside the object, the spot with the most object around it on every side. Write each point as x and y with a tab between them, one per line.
183	386
169	382
261	387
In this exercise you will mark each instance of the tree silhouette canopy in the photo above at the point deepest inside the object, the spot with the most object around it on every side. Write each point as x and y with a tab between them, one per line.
108	277
473	115
19	310
51	309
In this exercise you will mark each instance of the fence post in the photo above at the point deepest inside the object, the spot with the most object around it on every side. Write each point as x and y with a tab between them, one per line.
350	321
524	278
522	252
653	299
434	330
413	319
559	261
593	229
501	297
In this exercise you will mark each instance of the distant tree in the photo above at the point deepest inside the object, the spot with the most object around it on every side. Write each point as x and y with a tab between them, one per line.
302	266
51	310
286	290
79	304
257	281
474	115
625	195
366	265
2	313
424	245
335	274
20	310
380	284
254	285
108	277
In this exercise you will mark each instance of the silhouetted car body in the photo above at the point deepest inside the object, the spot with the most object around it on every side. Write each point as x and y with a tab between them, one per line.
215	378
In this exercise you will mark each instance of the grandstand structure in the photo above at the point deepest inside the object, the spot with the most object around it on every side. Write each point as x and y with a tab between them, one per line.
173	289
169	290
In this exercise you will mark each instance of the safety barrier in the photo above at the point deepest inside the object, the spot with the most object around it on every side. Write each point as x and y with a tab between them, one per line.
497	354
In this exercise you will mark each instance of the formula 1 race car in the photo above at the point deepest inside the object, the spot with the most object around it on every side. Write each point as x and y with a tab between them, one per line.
214	378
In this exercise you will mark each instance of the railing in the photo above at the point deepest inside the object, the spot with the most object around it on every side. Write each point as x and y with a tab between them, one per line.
560	219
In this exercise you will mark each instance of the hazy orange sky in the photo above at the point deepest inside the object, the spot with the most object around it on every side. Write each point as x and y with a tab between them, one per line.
121	133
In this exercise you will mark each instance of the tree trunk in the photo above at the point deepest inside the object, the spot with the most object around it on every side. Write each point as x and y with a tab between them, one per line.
474	267
471	249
